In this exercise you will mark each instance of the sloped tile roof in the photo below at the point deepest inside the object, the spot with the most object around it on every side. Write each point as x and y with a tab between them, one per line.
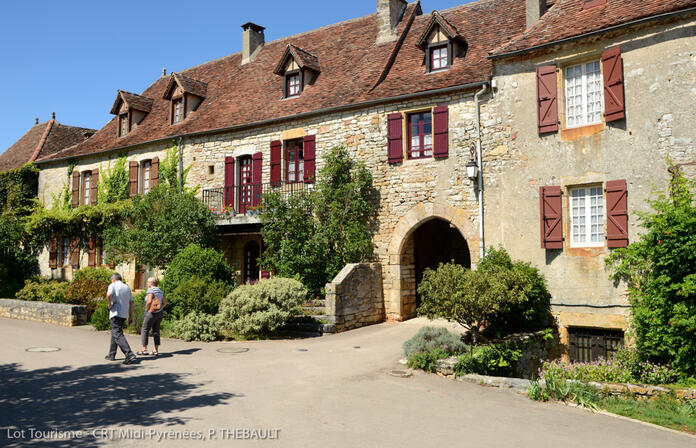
187	84
446	27
133	100
41	141
354	69
567	19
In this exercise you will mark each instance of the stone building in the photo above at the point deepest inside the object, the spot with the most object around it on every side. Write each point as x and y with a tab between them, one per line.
441	108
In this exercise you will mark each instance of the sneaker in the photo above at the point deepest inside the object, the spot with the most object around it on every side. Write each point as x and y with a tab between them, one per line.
110	358
130	359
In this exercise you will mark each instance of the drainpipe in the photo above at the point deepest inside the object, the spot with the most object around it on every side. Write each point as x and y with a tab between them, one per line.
479	159
181	165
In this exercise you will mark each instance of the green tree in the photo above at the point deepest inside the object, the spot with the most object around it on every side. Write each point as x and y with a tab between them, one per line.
196	261
470	297
158	226
660	271
312	235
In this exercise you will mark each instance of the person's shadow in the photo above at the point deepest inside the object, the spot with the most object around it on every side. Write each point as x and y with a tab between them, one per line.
163	355
93	397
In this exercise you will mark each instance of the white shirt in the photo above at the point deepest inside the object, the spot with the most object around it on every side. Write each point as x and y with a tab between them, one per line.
121	298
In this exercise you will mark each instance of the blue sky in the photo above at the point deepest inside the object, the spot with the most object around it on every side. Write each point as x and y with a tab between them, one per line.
70	57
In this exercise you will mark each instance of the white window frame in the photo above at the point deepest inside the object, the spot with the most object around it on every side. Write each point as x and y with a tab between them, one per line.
585	211
65	257
584	94
145	167
86	187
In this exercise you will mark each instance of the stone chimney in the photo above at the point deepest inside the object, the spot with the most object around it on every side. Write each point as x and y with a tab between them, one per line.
535	9
389	13
37	120
252	40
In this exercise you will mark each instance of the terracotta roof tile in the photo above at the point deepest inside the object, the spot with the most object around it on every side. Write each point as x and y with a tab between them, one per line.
351	65
133	101
41	141
567	18
188	85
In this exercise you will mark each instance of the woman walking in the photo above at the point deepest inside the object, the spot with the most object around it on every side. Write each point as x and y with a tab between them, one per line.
154	310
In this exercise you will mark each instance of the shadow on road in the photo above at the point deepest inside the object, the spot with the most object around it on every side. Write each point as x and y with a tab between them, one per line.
90	398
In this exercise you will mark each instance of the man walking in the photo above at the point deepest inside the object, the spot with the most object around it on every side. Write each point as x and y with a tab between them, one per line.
120	301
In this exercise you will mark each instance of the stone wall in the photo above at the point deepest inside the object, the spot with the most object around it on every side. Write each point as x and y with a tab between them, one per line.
354	298
51	313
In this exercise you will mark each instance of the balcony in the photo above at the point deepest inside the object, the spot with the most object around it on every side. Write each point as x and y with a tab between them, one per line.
241	204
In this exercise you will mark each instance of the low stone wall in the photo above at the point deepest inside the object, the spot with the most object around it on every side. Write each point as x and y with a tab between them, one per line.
52	313
354	298
641	391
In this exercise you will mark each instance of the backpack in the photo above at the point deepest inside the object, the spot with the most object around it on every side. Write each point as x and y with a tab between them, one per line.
155	304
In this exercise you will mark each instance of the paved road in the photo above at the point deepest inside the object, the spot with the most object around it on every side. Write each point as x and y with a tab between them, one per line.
336	393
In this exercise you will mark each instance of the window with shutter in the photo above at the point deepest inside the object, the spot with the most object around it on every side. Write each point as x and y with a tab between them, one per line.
420	135
154	172
75	189
256	178
547	99
53	253
309	158
276	148
86	188
294	160
550	210
75	253
394	136
65	252
441	132
617	213
612	68
92	253
229	181
586	217
132	178
583	94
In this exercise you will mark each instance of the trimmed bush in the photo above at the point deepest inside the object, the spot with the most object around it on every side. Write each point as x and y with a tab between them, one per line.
493	359
262	309
102	274
43	290
196	294
426	360
85	290
194	261
100	317
430	338
197	326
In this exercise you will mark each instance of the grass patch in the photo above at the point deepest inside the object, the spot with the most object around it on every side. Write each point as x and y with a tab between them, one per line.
665	411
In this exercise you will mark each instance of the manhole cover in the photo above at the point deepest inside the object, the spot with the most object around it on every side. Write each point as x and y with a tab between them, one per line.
233	350
43	349
302	350
400	373
356	346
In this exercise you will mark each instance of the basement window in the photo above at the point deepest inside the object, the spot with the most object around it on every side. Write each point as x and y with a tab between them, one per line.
591	344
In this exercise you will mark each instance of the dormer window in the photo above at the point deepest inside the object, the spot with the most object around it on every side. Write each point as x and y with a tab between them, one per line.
122	125
186	95
441	43
298	68
130	109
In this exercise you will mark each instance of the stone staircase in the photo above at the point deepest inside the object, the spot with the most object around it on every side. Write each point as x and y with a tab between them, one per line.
313	322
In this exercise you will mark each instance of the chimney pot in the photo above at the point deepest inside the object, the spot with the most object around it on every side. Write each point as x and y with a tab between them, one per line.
389	14
535	9
252	39
37	120
53	115
164	72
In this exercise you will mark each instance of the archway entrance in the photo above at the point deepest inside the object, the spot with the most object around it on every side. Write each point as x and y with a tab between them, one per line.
434	242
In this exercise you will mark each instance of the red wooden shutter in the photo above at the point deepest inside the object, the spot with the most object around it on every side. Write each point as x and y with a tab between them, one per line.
395	150
440	132
547	99
551	216
92	253
75	253
617	213
94	187
276	148
256	179
75	189
308	153
132	179
154	172
229	181
612	69
53	253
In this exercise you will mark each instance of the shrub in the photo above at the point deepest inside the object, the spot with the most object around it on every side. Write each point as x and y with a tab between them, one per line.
530	314
102	274
196	294
660	270
100	317
493	359
263	308
43	290
426	360
195	261
85	290
197	326
430	338
470	297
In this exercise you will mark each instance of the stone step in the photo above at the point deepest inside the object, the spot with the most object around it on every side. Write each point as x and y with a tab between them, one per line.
315	302
314	310
297	327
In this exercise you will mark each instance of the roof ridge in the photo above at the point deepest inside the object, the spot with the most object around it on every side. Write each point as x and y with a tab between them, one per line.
43	139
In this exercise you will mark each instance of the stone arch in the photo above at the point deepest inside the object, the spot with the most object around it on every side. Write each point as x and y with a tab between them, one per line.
399	292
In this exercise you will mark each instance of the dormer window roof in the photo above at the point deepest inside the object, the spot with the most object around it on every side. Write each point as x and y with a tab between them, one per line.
298	68
131	109
185	95
441	42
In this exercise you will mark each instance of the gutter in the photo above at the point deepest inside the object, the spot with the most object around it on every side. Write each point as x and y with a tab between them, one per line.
270	121
479	161
596	32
